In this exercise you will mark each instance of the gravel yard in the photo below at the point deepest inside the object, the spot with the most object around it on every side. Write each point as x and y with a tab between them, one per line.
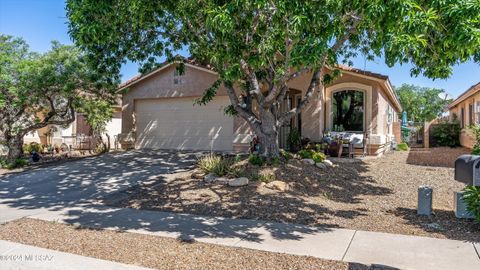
373	195
155	252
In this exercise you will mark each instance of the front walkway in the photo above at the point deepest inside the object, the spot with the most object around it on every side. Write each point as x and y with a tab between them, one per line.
396	251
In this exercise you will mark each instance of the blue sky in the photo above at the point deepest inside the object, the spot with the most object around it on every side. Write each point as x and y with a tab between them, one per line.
41	21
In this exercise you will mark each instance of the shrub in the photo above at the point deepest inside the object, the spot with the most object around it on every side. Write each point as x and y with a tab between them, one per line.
318	157
446	134
33	146
294	140
263	177
471	197
402	147
214	164
306	153
285	154
476	133
20	162
256	160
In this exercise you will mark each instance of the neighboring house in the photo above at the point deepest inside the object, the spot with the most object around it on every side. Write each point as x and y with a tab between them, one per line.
159	111
77	135
466	109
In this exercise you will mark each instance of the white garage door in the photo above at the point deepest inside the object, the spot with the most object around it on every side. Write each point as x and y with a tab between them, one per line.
175	123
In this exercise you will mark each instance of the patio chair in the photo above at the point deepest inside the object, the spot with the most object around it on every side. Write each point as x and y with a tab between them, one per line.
357	141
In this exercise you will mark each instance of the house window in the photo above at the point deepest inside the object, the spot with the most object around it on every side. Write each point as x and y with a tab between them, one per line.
462	118
470	114
348	110
178	77
477	112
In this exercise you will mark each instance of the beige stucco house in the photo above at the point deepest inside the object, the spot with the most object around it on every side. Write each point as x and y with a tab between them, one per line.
76	135
158	111
466	109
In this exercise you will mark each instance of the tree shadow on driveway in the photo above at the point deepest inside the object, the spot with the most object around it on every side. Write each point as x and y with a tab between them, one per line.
92	178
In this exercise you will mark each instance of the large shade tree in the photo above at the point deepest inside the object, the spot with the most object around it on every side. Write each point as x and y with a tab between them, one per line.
38	90
422	103
258	46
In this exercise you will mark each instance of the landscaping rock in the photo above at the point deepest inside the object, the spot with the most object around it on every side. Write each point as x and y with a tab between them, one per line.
222	180
278	185
328	163
210	178
321	165
198	175
308	161
238	182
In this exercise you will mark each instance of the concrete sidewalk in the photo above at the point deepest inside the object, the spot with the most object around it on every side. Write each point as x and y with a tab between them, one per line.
18	256
395	251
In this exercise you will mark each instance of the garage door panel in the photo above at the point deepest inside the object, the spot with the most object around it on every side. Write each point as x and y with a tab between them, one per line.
176	124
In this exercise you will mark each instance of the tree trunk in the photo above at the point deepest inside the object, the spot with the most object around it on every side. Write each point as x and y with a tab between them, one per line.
15	150
268	135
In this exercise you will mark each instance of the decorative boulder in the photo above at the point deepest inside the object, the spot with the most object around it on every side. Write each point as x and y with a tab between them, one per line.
321	165
223	180
238	182
278	185
328	163
308	161
210	178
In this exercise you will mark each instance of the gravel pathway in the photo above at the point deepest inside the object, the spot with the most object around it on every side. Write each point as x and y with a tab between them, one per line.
374	195
155	252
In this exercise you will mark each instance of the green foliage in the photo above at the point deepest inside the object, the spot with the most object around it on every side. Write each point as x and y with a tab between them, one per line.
476	133
471	197
215	164
269	43
266	177
285	154
422	103
306	153
294	140
19	162
318	157
38	90
446	134
33	146
312	154
256	160
402	147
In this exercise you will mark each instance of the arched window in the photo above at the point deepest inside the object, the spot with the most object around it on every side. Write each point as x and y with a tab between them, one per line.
348	110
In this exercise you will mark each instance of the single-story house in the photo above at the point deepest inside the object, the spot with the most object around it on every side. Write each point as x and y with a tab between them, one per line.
158	111
77	135
466	109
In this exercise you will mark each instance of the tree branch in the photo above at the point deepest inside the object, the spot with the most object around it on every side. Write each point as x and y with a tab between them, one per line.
246	114
318	72
254	86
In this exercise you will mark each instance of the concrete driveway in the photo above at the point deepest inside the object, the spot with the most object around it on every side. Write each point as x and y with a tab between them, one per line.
87	180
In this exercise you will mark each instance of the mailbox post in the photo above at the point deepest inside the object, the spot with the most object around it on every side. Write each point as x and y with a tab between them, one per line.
467	171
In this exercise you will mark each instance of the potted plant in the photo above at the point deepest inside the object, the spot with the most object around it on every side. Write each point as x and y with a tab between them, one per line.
335	147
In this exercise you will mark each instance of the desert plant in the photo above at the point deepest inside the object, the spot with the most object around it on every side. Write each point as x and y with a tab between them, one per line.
471	197
402	147
215	164
256	160
265	177
294	140
318	157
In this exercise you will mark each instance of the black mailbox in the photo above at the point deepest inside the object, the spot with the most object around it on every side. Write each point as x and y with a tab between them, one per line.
467	169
